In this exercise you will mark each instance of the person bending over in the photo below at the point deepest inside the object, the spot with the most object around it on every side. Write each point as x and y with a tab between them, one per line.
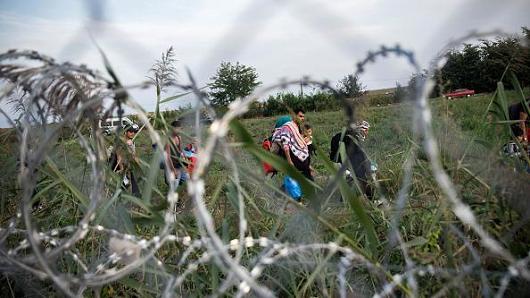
360	162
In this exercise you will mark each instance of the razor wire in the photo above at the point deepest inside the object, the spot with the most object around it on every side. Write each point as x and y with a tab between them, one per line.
78	94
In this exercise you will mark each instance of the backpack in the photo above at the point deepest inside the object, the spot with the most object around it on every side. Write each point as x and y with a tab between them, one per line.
266	144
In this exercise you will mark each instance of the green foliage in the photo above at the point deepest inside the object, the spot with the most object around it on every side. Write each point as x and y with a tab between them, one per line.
463	69
164	71
417	79
283	103
400	94
479	67
350	86
380	99
163	76
232	81
356	223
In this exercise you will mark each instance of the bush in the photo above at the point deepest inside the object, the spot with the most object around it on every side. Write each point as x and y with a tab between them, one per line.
282	103
381	99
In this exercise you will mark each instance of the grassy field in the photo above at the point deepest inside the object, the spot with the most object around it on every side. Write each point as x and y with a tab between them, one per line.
469	146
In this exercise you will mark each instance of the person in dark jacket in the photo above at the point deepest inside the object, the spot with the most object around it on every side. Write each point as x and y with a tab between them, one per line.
358	159
517	112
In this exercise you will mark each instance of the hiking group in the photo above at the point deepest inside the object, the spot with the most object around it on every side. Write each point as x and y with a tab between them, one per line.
292	139
178	160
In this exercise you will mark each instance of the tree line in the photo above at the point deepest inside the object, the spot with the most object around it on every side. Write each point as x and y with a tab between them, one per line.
234	80
480	66
475	66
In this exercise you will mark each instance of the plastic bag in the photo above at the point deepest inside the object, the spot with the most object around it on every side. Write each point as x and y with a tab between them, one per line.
292	188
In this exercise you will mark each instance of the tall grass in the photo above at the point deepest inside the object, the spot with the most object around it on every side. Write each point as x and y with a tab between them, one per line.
308	249
425	221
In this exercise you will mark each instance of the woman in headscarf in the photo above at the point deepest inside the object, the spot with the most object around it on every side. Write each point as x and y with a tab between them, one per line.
293	147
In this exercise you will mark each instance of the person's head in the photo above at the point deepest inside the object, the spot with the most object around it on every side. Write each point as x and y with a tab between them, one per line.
131	130
363	127
360	130
175	127
300	115
308	131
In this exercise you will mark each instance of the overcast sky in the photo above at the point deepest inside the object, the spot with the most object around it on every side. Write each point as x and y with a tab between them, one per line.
281	39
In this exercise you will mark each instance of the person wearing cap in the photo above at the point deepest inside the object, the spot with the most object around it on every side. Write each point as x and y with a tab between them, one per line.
130	132
127	160
361	164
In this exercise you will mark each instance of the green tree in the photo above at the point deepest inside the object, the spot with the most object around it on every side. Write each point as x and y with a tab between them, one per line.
232	81
472	67
499	54
480	67
350	86
418	79
400	94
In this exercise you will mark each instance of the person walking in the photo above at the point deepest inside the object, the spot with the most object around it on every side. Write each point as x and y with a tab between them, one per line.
520	130
293	147
361	164
127	160
175	159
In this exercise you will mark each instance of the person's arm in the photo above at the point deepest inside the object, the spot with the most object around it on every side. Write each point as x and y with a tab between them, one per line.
177	142
136	158
119	163
132	151
312	170
168	159
287	153
284	143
